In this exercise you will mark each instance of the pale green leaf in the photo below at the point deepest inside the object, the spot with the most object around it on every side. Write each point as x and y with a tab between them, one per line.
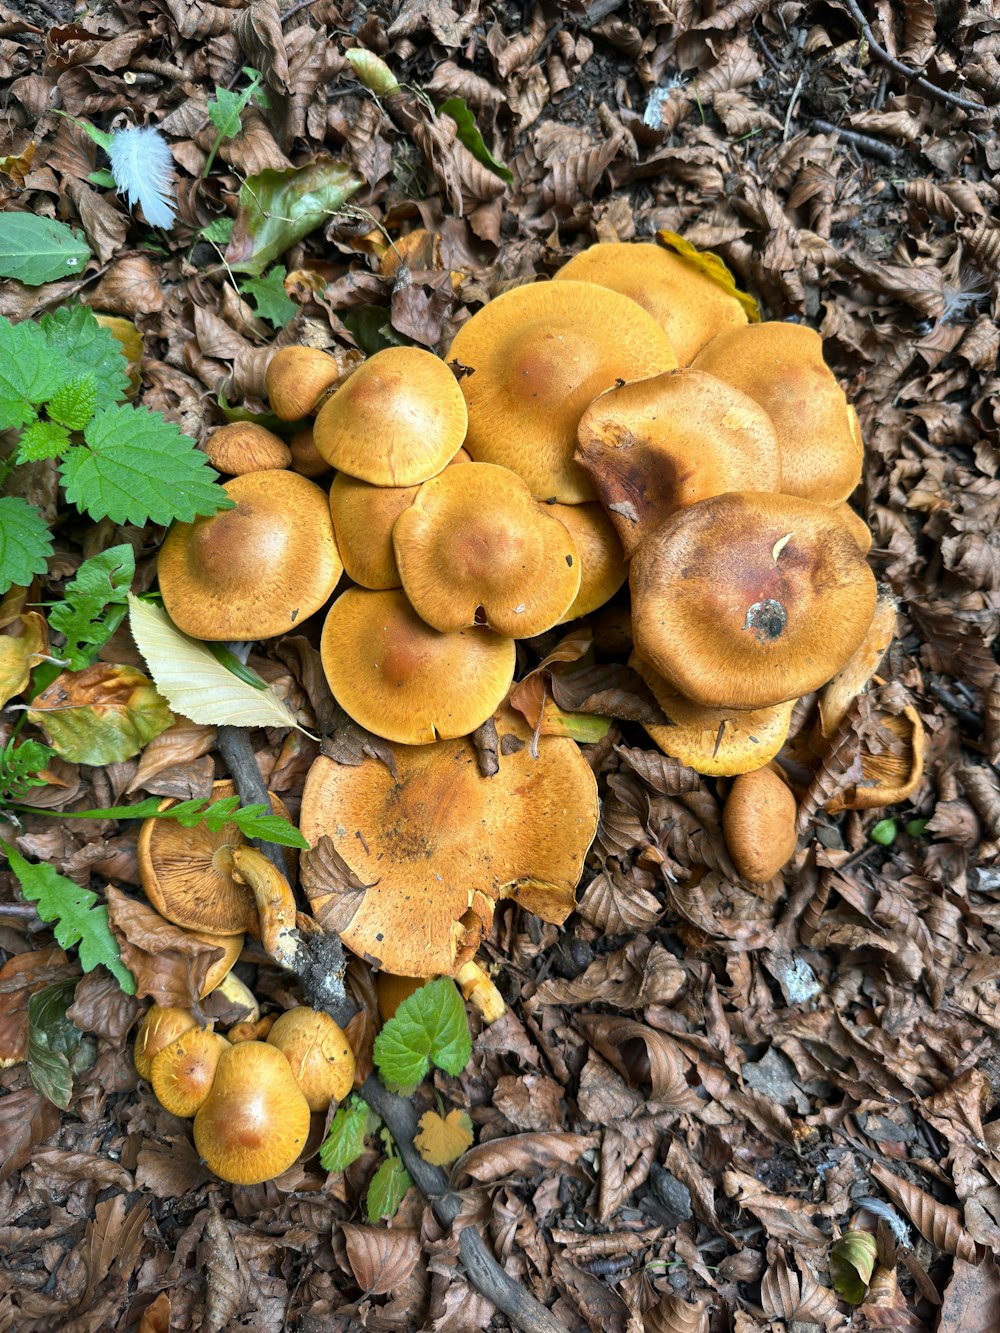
103	714
93	604
469	135
389	1184
345	1139
271	301
195	684
34	249
42	439
25	543
430	1025
52	1039
852	1262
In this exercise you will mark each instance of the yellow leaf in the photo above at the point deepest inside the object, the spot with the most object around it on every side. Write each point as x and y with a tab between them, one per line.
442	1141
713	267
19	654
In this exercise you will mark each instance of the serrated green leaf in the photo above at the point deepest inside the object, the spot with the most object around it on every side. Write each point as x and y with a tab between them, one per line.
218	231
75	402
389	1184
430	1025
42	439
35	250
90	348
72	908
94	604
30	371
136	467
468	134
225	111
852	1262
19	764
194	683
345	1140
25	543
52	1041
268	828
271	301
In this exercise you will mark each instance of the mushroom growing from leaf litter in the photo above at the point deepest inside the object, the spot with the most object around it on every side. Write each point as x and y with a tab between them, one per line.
758	821
319	1054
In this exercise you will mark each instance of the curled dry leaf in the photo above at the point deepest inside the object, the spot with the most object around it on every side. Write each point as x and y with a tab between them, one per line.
224	1277
525	1154
937	1222
26	1119
617	906
331	886
169	964
643	1055
673	1314
381	1260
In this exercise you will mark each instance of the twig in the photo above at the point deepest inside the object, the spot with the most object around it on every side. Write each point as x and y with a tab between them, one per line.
484	1272
914	75
296	9
235	748
791	106
862	141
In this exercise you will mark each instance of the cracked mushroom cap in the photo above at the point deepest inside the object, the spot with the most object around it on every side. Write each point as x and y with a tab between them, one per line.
255	571
659	444
687	304
781	367
719	742
438	844
746	601
474	548
602	560
397	420
401	679
187	873
538	356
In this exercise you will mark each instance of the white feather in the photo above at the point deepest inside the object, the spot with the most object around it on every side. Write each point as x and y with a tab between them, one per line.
144	171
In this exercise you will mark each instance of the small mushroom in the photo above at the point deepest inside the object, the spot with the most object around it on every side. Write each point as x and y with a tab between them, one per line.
319	1054
161	1024
183	1072
307	460
243	447
255	1121
297	378
889	775
363	519
758	822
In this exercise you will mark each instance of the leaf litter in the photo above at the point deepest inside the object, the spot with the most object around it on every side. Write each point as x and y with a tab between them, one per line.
700	1085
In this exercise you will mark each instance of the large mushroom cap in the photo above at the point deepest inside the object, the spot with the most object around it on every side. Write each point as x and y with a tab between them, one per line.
399	419
438	843
254	571
747	600
656	445
781	367
538	356
687	304
403	680
474	548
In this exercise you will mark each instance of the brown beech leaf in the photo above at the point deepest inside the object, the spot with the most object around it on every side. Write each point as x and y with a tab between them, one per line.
972	1297
225	1282
638	974
130	287
333	889
180	744
26	1119
525	1154
169	964
100	1005
156	1317
782	1218
617	906
112	1239
643	1055
380	1259
673	1314
937	1222
603	1309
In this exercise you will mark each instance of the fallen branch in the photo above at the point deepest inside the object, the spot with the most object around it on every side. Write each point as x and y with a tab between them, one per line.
862	141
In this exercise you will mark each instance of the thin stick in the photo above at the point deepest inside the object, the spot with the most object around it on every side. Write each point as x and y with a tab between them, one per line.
861	141
235	748
914	75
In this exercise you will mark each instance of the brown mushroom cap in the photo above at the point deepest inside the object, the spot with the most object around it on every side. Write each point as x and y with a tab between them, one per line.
438	843
672	440
602	560
687	304
297	378
243	447
363	519
255	1120
475	548
856	525
187	873
746	600
719	742
183	1072
319	1054
539	355
161	1024
839	693
306	458
758	822
781	367
399	419
254	571
403	680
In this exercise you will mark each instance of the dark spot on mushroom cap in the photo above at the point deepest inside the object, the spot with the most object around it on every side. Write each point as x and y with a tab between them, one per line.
766	620
569	561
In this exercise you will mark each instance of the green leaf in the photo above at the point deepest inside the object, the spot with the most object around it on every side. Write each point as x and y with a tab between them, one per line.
884	832
35	250
30	371
90	349
915	827
372	330
78	920
468	134
94	604
103	178
104	714
25	543
430	1025
42	439
389	1184
345	1140
852	1262
226	112
218	231
19	763
101	137
75	402
233	664
52	1040
136	467
278	208
271	301
373	72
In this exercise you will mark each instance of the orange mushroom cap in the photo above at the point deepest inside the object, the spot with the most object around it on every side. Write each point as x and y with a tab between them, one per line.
759	824
399	419
688	305
183	1072
746	600
438	843
889	775
781	367
255	1120
474	548
319	1054
161	1024
254	571
403	680
297	378
538	356
363	519
602	560
651	447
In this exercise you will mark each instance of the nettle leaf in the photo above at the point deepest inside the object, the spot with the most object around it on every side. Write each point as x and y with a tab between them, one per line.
429	1026
94	604
271	301
30	371
42	439
469	135
136	467
345	1140
91	349
389	1184
35	250
25	542
75	402
78	919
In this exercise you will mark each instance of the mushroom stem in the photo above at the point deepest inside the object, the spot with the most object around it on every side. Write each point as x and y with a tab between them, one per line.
234	746
480	991
275	906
